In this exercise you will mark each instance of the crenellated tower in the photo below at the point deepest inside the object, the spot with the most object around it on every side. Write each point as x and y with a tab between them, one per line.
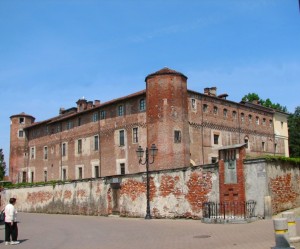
167	118
18	140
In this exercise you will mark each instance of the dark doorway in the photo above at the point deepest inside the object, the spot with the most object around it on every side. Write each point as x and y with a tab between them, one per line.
115	198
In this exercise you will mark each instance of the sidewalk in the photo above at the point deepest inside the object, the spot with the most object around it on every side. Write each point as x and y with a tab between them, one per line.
91	232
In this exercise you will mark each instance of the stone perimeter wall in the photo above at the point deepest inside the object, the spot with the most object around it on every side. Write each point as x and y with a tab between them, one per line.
173	194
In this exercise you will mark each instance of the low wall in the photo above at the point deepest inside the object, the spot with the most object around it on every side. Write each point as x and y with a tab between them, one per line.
173	193
277	180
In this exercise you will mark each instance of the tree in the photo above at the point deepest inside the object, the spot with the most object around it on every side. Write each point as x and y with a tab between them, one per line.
294	133
267	103
2	165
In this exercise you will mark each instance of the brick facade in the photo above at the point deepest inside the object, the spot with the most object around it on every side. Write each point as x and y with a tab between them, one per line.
97	139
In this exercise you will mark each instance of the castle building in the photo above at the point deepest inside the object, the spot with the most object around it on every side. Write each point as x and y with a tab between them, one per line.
98	139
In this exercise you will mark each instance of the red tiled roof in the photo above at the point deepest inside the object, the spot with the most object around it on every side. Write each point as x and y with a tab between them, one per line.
165	71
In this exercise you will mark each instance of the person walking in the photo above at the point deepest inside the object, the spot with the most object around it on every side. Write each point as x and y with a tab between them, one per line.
11	227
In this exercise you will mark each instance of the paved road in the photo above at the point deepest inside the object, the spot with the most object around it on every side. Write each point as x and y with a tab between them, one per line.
42	231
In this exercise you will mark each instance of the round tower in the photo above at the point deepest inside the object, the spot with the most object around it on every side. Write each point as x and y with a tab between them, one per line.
18	141
167	118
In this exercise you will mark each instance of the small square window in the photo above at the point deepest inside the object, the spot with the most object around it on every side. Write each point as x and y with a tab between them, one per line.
234	114
102	114
122	168
63	149
121	138
177	136
120	110
135	138
79	146
215	110
95	117
216	138
21	133
45	152
193	104
21	120
96	142
225	113
79	172
142	105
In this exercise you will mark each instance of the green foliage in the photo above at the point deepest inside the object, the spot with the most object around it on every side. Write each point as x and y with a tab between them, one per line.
2	165
267	103
250	97
294	133
33	184
291	160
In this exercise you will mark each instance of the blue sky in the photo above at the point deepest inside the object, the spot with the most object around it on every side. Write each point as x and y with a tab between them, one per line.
54	52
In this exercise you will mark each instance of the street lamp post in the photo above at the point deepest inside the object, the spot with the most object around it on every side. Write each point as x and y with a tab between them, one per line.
140	153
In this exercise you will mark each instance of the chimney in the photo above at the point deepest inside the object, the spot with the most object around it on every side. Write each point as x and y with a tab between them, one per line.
89	104
61	110
212	91
81	104
96	102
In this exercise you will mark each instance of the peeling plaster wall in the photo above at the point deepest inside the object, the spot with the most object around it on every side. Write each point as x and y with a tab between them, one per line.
173	194
278	180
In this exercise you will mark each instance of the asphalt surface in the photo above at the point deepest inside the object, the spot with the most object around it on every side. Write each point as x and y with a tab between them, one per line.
45	231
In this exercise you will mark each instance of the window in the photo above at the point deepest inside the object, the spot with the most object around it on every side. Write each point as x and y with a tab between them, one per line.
263	146
135	135
234	114
24	176
63	149
69	125
246	141
121	138
45	176
21	133
45	152
122	168
58	128
177	136
142	105
96	171
95	117
205	107
96	142
225	113
216	138
275	148
250	118
102	114
215	110
257	120
271	122
32	152
79	146
193	104
281	125
32	176
264	121
79	172
79	121
120	110
242	117
21	120
214	159
64	174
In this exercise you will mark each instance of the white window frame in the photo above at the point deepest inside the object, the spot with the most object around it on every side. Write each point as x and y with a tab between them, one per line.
135	135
